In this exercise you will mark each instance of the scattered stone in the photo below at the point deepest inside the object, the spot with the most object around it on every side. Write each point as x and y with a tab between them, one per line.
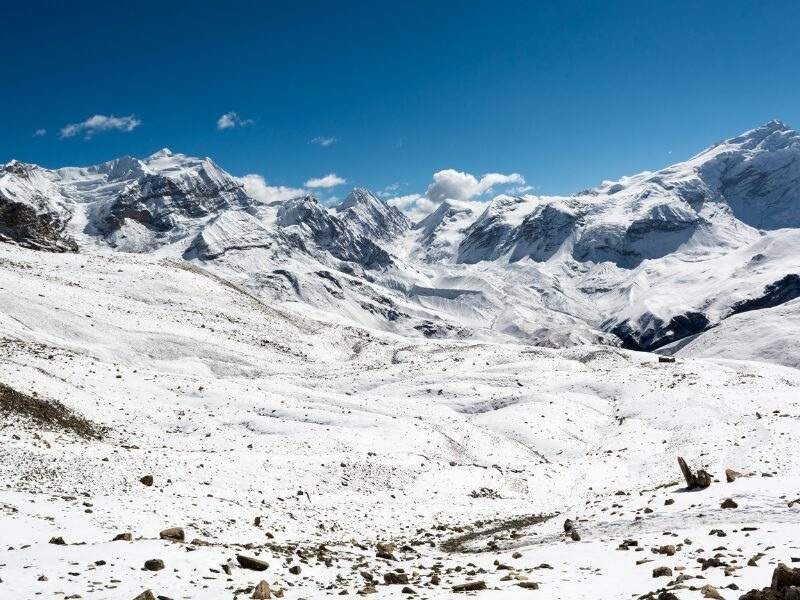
147	480
470	586
123	537
709	591
145	595
295	570
568	525
58	541
262	591
173	533
408	590
247	562
575	536
731	475
154	564
392	578
666	359
528	585
728	503
662	572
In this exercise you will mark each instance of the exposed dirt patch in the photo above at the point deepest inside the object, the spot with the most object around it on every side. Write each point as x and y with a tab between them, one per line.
459	543
47	413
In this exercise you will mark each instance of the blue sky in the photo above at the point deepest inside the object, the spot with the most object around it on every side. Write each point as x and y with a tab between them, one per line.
564	93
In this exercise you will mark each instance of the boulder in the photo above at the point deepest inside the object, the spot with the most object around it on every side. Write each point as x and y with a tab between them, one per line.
248	562
173	533
154	564
262	591
470	586
392	578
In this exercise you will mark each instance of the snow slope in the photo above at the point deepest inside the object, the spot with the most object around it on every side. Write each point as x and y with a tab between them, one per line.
643	262
339	437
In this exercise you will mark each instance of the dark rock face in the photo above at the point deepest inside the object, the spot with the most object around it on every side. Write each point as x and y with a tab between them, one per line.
157	202
23	225
538	236
330	233
655	235
775	294
484	240
542	233
372	217
651	332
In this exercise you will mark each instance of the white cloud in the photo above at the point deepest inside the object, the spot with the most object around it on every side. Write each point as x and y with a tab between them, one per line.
450	184
257	187
40	133
458	185
324	141
330	180
232	119
99	124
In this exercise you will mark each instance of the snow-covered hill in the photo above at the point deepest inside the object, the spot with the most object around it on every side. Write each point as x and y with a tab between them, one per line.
643	262
303	444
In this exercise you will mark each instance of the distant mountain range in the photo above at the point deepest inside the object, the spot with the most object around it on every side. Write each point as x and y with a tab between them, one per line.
666	260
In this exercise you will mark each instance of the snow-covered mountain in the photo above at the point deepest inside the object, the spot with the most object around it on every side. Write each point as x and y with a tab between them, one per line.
316	397
642	262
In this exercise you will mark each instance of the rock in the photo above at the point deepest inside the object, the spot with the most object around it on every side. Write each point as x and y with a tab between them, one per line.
662	572
785	585
516	555
668	550
58	541
145	595
407	590
392	578
173	533
528	585
784	577
731	475
123	537
470	586
709	591
147	480
295	570
669	501
262	591
728	503
666	359
386	547
568	525
247	562
575	536
701	479
154	564
367	589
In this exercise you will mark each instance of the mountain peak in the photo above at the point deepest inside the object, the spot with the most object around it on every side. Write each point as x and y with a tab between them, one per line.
358	196
163	153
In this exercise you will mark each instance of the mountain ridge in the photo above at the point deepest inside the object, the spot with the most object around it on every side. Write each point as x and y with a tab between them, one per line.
641	262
